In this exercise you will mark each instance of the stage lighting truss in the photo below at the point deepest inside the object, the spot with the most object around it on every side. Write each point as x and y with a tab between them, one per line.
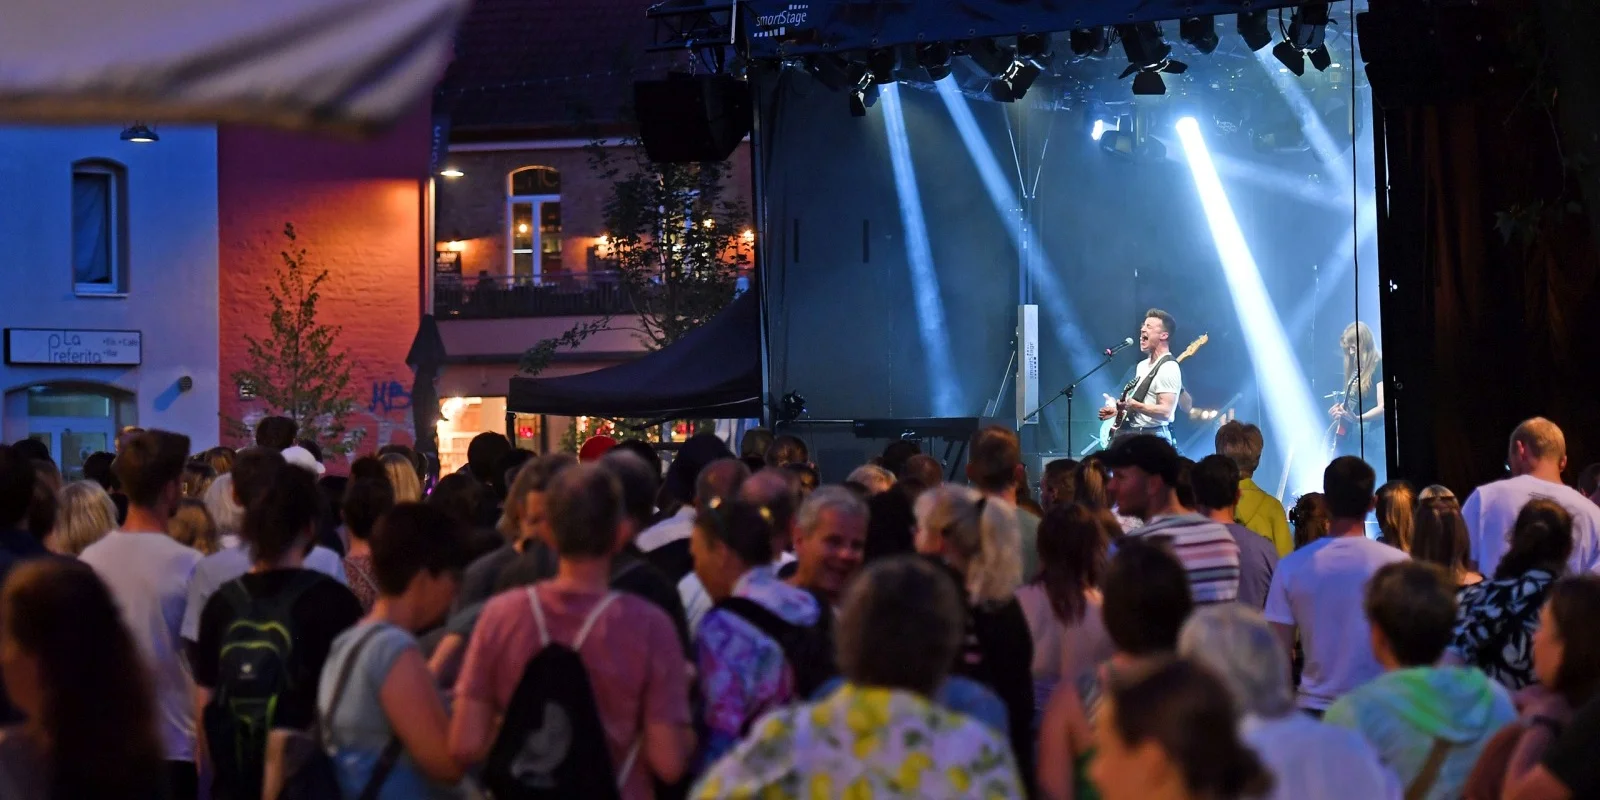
1305	39
1148	57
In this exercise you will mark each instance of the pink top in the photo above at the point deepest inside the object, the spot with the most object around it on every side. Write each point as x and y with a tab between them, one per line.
632	653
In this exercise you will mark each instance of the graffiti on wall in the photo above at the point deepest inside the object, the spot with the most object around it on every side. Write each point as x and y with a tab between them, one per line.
384	419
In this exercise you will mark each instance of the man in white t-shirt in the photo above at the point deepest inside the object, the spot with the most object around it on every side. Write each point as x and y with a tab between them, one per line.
1153	410
148	572
1537	457
1317	591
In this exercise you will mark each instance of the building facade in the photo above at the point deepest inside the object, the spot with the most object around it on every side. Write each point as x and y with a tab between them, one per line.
109	308
358	210
519	230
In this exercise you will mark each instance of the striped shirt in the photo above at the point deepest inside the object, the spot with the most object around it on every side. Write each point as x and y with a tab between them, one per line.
1208	552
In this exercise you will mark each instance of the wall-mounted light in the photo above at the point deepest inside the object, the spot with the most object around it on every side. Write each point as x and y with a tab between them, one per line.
140	133
185	383
455	245
451	172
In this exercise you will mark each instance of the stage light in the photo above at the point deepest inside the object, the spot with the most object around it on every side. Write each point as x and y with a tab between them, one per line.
1290	408
881	63
1253	29
1148	56
1199	32
793	407
864	94
1099	129
931	327
1089	42
1011	71
935	58
1308	34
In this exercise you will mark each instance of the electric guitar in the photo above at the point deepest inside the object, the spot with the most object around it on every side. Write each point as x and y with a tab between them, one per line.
1110	426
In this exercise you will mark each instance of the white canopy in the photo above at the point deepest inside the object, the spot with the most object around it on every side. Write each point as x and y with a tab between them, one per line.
354	65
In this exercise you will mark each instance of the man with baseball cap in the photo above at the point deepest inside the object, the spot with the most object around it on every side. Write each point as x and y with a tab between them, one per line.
1144	479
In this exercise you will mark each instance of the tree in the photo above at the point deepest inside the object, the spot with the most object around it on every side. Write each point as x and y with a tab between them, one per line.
676	242
298	369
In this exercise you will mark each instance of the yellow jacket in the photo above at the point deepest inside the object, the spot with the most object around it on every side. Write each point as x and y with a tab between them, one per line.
1262	513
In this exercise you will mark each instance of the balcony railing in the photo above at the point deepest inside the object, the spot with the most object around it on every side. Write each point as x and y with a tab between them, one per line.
566	294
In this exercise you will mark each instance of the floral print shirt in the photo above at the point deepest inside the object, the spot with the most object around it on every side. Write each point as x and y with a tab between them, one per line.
866	742
1495	623
742	671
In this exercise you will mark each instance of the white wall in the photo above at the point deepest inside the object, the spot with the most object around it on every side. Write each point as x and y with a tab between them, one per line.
171	269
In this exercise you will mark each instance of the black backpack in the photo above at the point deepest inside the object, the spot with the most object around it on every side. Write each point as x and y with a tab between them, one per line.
809	650
256	670
552	743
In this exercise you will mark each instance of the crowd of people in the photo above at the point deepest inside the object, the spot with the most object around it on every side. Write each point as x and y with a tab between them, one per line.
241	624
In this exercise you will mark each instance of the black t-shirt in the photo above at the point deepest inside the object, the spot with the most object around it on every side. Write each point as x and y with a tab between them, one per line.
1570	758
631	573
323	611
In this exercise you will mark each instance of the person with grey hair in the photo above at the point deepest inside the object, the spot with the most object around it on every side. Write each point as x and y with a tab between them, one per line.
899	631
830	538
872	478
1309	759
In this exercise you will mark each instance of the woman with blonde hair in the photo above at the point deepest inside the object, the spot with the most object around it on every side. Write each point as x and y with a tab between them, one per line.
977	541
1358	418
1397	508
85	513
403	477
191	525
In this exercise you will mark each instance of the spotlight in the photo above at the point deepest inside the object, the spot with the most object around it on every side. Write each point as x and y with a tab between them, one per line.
141	133
792	408
1253	28
1199	32
881	63
1011	71
864	94
1089	42
935	58
1148	56
1308	34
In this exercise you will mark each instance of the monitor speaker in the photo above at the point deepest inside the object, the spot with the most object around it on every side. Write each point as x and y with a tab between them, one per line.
691	118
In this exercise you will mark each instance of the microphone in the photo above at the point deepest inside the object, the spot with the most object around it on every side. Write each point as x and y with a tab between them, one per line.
1126	343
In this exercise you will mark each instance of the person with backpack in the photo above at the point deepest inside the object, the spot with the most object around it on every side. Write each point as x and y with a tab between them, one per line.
382	714
587	686
764	644
264	637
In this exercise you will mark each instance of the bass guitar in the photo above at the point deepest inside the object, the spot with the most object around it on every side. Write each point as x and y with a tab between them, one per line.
1110	426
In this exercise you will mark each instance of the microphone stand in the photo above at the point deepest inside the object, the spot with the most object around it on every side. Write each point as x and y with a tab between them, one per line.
1067	393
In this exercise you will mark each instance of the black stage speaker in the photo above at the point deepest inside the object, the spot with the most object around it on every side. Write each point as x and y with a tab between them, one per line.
690	118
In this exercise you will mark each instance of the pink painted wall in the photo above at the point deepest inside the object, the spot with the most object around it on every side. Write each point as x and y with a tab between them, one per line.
357	207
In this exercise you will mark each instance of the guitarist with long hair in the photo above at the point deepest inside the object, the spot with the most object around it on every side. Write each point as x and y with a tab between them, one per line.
1149	404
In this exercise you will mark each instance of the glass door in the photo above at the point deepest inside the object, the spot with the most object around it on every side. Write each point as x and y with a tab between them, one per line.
72	440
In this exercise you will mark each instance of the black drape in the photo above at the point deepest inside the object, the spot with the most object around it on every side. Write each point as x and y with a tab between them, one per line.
1491	304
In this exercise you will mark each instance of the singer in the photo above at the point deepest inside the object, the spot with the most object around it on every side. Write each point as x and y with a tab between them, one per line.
1150	401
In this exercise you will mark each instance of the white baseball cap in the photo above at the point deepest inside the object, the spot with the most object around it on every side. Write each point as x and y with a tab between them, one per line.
302	458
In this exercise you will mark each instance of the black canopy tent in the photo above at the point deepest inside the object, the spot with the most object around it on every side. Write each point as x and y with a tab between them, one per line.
712	372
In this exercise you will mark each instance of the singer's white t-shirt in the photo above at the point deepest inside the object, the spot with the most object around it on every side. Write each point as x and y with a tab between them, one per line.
1168	381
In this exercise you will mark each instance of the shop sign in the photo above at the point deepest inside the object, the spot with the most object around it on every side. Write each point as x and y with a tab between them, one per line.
67	347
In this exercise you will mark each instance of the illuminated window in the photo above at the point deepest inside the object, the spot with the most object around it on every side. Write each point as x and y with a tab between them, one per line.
533	209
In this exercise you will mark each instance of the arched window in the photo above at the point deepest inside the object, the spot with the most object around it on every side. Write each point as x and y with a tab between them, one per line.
533	212
99	227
